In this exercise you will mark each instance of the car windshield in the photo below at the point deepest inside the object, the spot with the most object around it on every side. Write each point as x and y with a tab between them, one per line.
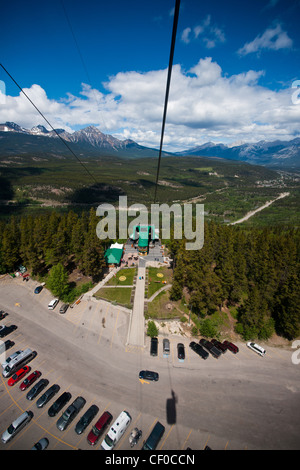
10	429
96	431
109	441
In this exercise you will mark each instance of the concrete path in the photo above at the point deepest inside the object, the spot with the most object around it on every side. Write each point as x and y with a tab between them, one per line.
91	292
136	331
165	287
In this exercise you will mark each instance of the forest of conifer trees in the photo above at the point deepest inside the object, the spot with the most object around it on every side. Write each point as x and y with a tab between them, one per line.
48	240
255	270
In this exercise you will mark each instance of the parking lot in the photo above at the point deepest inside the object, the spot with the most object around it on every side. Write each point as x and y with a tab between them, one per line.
240	401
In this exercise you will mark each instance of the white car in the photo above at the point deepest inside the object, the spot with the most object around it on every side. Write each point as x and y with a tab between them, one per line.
256	348
53	304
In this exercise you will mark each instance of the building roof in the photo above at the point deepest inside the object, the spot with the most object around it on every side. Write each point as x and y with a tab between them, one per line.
113	255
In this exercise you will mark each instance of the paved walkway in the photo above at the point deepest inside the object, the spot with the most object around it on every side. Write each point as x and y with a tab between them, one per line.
100	284
136	331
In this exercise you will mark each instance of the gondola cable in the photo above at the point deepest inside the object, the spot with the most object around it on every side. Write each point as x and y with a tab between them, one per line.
175	22
49	124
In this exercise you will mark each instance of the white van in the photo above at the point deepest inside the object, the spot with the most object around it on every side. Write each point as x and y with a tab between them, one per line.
16	426
116	431
18	361
256	348
52	304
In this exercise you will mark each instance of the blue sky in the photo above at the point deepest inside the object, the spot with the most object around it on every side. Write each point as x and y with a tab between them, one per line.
104	63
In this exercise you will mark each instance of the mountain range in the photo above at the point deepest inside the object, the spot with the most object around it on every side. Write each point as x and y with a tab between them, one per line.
17	142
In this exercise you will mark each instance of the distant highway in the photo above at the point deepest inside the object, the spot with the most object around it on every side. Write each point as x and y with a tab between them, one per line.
251	213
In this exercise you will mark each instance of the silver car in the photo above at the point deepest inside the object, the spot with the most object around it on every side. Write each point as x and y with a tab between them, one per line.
16	426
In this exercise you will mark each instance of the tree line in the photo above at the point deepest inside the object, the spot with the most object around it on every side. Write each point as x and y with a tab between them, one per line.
55	240
255	270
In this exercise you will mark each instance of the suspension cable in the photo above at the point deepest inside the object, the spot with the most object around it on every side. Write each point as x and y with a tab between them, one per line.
175	22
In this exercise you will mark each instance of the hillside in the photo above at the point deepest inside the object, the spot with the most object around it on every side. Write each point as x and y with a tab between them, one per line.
228	189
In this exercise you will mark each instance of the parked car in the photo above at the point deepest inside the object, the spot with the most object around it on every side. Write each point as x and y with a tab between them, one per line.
64	308
154	346
61	401
10	358
148	375
166	346
155	436
232	347
3	314
18	376
38	289
99	428
47	395
180	351
199	350
30	379
210	348
219	345
256	348
42	444
6	330
53	304
4	346
70	413
86	419
36	389
16	426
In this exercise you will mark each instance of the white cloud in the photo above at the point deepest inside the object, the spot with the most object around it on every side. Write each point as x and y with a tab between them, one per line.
209	34
204	105
273	38
185	35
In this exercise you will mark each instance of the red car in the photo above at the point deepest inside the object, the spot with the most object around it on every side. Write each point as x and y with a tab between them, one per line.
232	347
99	428
18	375
30	379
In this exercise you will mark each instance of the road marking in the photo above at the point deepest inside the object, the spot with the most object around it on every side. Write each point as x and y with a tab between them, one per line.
166	437
182	448
143	381
206	441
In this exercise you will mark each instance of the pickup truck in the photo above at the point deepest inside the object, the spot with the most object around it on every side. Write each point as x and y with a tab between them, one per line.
210	348
70	413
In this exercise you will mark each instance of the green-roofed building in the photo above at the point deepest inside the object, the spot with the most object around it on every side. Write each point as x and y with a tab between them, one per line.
113	256
144	234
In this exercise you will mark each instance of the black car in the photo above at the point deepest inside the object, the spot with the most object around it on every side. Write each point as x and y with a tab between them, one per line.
219	345
154	346
180	351
86	419
199	350
38	289
47	395
216	353
6	345
148	375
34	391
59	403
5	330
3	314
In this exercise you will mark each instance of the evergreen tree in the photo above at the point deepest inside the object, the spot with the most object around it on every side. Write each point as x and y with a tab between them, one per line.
58	281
